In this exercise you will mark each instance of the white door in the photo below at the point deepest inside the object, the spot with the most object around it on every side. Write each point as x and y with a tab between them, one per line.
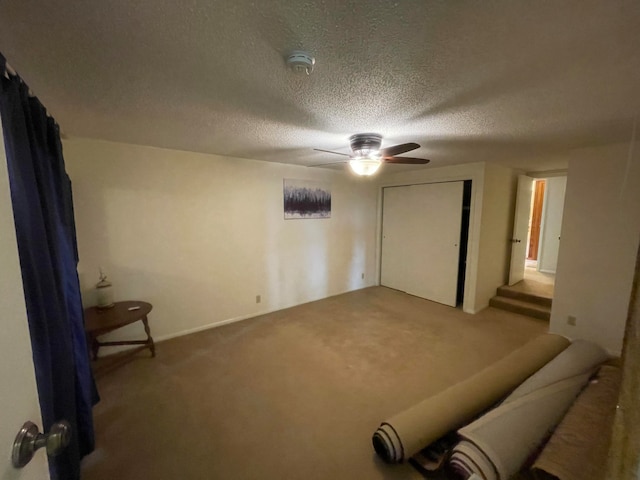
520	229
18	397
552	212
435	241
421	240
395	220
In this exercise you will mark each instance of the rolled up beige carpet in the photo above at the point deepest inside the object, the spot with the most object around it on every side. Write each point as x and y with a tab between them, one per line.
578	448
406	433
495	446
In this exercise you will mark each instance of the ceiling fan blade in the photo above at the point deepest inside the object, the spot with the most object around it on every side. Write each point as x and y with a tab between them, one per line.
325	164
398	149
329	151
406	160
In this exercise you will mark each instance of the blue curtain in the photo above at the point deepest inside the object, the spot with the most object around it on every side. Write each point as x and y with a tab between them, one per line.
43	212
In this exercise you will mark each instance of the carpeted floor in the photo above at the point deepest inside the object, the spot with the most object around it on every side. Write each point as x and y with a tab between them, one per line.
549	279
533	287
295	394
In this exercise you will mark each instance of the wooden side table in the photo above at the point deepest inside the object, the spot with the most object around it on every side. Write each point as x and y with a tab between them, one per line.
99	321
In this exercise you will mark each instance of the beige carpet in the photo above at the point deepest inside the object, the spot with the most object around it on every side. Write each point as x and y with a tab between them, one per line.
540	277
532	287
295	394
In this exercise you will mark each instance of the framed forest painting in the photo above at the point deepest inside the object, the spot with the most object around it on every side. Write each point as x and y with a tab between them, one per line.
306	199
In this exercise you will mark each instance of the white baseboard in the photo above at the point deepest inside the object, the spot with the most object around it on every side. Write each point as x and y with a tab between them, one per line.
219	323
227	321
473	311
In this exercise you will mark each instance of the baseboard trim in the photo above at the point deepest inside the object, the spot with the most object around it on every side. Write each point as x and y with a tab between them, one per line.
241	318
220	323
476	309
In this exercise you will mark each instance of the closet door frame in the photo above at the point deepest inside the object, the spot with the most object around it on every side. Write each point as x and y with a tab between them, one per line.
420	250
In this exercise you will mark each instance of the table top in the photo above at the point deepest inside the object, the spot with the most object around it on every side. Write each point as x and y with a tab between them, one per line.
103	320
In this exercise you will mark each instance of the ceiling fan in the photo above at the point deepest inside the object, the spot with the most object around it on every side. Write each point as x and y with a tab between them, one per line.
367	155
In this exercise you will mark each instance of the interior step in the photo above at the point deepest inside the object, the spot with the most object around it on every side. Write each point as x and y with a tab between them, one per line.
522	307
526	296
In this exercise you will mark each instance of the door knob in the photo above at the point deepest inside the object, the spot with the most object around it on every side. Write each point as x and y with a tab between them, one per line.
29	439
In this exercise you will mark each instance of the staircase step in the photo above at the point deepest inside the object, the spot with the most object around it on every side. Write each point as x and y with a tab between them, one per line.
506	291
514	305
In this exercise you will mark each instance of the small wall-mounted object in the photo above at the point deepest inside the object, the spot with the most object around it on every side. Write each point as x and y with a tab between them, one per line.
301	62
104	292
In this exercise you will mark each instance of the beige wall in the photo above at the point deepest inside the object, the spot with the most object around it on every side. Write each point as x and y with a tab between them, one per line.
600	235
199	236
498	209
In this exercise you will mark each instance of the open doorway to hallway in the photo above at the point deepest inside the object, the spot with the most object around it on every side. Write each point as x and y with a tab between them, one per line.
535	244
543	239
532	271
535	220
544	281
531	296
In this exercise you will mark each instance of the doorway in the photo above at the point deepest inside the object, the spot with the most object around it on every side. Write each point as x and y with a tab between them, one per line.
535	221
464	241
543	236
531	272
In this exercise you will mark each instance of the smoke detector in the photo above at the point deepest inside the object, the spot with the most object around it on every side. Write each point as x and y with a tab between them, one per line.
301	62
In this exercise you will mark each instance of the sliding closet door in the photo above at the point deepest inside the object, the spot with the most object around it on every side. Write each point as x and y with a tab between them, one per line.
396	220
421	240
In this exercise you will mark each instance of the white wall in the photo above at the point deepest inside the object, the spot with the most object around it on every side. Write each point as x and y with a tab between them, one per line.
600	236
498	210
199	236
551	224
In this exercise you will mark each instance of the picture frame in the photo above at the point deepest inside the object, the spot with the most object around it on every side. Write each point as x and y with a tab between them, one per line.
305	199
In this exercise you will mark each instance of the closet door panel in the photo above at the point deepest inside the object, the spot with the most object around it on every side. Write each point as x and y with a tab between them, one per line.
396	220
421	239
435	241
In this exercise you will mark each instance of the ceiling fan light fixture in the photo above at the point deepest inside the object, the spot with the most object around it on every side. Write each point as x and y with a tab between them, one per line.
366	152
365	166
367	155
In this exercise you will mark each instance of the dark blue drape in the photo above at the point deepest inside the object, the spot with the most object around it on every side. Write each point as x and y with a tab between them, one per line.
43	212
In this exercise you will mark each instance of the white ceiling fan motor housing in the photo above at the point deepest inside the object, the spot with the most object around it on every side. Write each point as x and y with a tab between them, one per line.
365	142
301	62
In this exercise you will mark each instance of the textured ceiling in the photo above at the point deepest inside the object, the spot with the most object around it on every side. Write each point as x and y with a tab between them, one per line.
517	82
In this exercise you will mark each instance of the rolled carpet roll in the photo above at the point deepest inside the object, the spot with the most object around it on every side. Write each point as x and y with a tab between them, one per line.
578	448
495	446
406	433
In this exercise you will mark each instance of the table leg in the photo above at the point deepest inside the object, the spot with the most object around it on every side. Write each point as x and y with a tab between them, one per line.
152	345
95	346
